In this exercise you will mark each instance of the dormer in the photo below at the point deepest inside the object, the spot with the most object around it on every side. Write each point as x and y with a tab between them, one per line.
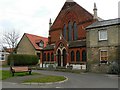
41	44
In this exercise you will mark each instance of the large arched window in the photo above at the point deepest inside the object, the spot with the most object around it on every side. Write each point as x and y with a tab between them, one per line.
75	31
64	31
78	56
69	31
84	55
72	56
52	57
48	57
44	56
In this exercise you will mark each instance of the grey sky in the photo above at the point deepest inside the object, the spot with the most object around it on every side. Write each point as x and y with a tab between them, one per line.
32	16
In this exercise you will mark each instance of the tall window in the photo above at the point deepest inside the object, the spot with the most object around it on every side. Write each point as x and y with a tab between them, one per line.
75	31
48	57
52	57
103	56
72	56
69	31
78	56
64	31
83	55
44	56
103	35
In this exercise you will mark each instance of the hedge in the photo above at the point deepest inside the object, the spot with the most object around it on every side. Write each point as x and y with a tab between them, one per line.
22	59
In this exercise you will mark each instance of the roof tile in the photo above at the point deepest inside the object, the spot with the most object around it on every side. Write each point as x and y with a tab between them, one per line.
35	39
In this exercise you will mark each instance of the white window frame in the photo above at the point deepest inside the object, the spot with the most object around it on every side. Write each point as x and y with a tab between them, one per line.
103	51
101	39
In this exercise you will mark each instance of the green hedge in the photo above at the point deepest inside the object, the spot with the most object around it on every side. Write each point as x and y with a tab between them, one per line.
22	59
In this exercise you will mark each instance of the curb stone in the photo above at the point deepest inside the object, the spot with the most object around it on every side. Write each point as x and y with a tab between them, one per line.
46	83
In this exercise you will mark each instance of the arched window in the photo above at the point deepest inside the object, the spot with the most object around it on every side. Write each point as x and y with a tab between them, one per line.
48	57
69	31
52	57
64	31
75	31
78	56
83	55
72	56
44	56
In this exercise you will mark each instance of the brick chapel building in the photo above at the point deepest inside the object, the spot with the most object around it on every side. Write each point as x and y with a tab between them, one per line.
67	36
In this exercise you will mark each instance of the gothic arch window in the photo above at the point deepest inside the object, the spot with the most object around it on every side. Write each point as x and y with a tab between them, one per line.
69	31
83	55
72	55
75	31
48	57
52	57
78	56
64	31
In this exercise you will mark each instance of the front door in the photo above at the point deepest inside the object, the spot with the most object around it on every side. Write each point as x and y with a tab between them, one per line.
64	58
59	58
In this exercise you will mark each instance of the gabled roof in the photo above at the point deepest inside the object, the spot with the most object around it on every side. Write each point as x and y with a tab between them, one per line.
82	14
104	23
34	39
9	50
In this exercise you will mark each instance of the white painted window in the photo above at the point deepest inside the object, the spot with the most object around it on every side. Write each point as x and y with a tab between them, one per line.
104	56
102	35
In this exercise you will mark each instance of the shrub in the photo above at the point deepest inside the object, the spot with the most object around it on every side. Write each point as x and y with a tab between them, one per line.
114	68
23	59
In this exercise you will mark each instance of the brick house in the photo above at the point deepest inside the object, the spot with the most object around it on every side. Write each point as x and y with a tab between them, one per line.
103	41
67	37
31	44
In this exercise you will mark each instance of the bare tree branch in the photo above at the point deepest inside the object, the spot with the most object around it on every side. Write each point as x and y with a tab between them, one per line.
11	39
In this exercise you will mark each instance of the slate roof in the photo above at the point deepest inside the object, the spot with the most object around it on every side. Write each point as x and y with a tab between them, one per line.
35	39
73	44
49	47
104	23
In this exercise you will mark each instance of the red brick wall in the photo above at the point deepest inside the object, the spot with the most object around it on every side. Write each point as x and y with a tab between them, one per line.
75	50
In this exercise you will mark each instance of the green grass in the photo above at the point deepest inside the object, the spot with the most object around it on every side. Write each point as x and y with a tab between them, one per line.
46	79
4	74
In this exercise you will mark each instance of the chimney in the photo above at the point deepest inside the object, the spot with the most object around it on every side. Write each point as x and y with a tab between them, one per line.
95	12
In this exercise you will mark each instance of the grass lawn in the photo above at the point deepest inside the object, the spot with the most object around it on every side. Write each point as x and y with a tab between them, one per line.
4	74
46	79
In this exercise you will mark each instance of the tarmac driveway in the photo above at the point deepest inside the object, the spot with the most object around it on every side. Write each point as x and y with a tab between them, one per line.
84	80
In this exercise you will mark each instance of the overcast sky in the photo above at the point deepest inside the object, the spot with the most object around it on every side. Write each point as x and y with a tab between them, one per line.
32	16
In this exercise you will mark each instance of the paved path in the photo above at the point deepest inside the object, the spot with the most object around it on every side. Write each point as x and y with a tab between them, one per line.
85	80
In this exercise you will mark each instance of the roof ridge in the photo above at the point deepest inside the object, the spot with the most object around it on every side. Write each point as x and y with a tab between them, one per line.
109	19
35	35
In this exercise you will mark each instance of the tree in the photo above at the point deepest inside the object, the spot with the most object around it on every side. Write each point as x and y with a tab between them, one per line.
10	39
